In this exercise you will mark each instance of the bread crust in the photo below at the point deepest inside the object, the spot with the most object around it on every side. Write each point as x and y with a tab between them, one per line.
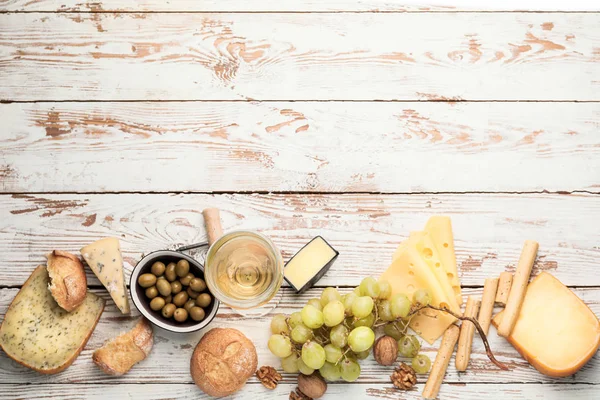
120	354
223	361
68	283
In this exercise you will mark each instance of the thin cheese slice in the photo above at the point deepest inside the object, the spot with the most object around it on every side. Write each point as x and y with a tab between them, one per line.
555	331
410	272
104	258
439	228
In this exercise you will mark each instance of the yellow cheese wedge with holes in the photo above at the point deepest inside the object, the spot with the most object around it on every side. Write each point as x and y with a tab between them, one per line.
555	331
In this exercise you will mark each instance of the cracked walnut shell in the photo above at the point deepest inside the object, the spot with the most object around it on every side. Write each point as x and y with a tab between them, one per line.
268	376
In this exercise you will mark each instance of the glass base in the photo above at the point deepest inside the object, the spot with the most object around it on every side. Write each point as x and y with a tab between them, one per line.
263	310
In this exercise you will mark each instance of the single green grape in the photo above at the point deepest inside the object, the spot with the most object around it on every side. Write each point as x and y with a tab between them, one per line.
361	355
332	353
385	289
395	330
303	368
384	310
333	313
339	336
280	346
312	317
313	355
330	372
361	339
330	294
409	346
279	324
369	287
290	363
350	370
301	334
348	300
367	321
400	305
422	297
316	303
421	364
362	306
295	319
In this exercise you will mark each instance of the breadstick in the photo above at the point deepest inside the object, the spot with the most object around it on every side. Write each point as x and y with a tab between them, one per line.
487	303
518	288
467	330
212	221
504	284
442	359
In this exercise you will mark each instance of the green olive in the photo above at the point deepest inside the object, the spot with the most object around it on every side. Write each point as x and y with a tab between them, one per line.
203	300
157	303
151	292
197	314
176	287
147	280
168	310
180	299
189	304
193	294
198	285
170	272
185	281
181	315
168	299
164	287
158	268
182	268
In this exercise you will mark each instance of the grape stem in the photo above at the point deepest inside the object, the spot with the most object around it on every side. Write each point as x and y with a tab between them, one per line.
474	321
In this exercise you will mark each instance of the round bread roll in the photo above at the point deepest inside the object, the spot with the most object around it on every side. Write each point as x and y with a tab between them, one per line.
223	361
68	283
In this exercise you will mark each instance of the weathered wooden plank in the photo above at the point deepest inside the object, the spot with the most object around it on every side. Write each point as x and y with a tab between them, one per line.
379	56
172	351
366	229
297	5
300	146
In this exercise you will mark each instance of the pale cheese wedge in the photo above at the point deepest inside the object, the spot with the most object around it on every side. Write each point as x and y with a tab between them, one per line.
410	272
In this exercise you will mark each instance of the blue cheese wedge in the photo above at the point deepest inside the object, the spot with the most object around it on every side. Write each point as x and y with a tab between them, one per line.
104	258
39	334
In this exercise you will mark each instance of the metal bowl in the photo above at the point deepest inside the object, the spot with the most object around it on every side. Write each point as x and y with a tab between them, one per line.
142	303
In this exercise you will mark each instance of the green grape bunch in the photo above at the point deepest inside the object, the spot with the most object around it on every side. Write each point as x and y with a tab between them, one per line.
333	332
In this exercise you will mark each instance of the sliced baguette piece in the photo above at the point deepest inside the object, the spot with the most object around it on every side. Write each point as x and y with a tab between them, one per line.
68	283
39	334
118	355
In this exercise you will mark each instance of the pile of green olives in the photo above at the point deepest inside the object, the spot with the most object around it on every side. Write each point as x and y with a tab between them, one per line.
175	292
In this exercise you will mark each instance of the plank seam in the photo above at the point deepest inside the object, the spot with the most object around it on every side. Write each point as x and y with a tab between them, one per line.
302	193
116	11
250	100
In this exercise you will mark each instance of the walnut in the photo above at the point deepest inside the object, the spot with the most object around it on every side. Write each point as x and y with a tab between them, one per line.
268	376
404	377
385	350
312	385
298	395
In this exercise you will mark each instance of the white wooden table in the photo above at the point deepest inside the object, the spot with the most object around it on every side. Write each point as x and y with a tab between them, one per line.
355	120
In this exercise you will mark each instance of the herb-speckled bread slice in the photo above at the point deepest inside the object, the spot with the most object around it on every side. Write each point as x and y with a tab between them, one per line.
39	334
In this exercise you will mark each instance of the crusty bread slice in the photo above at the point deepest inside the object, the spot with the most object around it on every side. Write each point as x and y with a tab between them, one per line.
120	354
39	334
68	283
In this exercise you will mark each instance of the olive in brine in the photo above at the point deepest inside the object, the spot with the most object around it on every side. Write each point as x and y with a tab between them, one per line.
157	303
192	293
203	300
197	314
170	272
189	304
168	310
158	268
180	315
180	299
197	285
147	280
164	287
168	299
185	281
151	292
182	268
176	287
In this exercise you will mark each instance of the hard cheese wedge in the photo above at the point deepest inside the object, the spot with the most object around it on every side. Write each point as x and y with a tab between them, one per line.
104	258
39	334
555	331
410	272
439	228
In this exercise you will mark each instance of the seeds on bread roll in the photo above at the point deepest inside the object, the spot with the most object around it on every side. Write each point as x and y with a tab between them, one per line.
68	283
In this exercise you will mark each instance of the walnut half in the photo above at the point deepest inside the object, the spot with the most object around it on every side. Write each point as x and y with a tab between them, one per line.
268	376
